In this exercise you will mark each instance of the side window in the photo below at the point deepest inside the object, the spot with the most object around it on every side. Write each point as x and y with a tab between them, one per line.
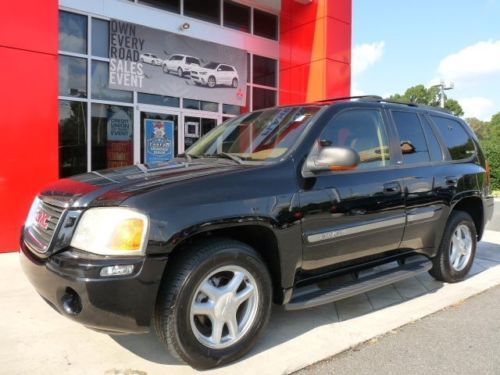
411	137
434	147
364	131
459	143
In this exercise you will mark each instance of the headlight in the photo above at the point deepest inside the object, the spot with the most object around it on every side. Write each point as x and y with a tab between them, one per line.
111	231
203	73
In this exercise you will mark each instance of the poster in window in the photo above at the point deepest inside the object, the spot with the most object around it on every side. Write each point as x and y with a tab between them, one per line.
119	136
159	143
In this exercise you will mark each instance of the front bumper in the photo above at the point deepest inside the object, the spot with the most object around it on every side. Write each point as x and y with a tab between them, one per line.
69	281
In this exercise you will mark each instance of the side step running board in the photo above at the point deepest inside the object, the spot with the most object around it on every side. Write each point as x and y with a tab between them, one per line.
311	296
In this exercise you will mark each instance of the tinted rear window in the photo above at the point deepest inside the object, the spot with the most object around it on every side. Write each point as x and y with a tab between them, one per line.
459	143
411	136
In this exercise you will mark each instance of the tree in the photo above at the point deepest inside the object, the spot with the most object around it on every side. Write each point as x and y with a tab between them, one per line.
494	128
481	128
419	94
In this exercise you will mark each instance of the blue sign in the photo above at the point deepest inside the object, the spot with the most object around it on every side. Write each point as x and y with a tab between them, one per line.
159	143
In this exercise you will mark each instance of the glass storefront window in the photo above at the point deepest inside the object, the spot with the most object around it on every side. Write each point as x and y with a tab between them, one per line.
263	98
168	101
264	71
236	16
72	76
190	103
72	138
112	135
210	106
170	5
230	109
100	88
265	24
206	10
72	32
100	38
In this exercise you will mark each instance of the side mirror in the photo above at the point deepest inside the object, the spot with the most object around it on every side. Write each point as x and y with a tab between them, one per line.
333	159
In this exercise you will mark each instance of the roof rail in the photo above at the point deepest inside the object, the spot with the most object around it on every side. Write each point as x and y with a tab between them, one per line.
379	99
418	105
372	97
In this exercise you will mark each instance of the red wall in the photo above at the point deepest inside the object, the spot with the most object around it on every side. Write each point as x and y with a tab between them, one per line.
315	50
29	110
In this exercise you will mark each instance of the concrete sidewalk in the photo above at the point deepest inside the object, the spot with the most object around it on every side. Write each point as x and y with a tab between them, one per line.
35	339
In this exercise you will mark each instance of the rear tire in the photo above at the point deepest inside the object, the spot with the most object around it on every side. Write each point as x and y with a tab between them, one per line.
455	255
221	283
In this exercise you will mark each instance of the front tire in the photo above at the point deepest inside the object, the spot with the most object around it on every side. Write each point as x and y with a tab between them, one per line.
455	255
211	82
235	83
214	302
180	73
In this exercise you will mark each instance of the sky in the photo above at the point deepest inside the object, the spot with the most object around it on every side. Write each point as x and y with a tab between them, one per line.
399	44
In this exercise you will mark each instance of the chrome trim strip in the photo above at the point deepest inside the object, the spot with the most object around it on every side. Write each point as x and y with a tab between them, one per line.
421	215
356	229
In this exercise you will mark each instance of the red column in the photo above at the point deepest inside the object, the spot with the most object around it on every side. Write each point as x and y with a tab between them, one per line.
315	50
29	110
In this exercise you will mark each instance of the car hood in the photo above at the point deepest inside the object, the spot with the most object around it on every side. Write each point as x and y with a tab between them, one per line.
110	187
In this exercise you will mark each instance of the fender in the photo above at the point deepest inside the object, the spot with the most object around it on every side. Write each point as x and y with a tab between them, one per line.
288	239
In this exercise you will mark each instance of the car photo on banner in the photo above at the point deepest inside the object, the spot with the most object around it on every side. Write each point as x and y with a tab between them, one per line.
214	74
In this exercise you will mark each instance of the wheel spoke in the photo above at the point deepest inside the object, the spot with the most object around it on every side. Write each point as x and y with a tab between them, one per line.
203	308
456	261
245	294
210	290
217	327
232	326
235	282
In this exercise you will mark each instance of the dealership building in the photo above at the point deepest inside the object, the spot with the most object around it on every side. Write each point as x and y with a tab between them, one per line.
86	82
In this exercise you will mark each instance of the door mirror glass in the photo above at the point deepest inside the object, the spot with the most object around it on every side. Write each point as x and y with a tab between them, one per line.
333	159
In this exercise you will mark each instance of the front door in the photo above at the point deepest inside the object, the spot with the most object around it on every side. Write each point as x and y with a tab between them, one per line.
349	215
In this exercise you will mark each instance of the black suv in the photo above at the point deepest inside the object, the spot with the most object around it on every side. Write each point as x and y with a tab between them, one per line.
276	206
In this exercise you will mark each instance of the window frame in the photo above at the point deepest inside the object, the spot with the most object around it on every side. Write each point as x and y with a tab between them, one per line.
398	137
389	131
444	146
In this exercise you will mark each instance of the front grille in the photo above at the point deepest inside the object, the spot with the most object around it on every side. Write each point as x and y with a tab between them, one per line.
42	226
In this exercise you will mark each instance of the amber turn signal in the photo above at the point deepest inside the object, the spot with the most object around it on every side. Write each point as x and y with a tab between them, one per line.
127	235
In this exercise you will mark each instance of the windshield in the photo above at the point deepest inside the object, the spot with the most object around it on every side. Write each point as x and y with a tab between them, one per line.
211	65
259	136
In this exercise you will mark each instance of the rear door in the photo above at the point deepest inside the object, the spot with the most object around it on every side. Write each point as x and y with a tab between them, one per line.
354	214
421	161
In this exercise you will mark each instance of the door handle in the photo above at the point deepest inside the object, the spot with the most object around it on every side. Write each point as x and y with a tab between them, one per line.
392	188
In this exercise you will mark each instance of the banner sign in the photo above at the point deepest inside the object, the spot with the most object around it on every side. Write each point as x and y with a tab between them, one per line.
159	143
163	63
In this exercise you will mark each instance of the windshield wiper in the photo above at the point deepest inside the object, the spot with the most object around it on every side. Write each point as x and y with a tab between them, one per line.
226	155
189	157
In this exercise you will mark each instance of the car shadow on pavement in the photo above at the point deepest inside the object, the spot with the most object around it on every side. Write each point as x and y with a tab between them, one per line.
146	346
287	325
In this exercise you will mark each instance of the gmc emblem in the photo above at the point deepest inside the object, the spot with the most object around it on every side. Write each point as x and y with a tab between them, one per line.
42	218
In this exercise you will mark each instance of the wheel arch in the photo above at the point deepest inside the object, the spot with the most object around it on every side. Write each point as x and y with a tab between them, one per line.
260	237
473	205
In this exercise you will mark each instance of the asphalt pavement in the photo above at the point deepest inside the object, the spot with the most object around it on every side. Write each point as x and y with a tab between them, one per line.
462	339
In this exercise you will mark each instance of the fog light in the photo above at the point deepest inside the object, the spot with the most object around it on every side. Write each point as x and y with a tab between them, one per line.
118	270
